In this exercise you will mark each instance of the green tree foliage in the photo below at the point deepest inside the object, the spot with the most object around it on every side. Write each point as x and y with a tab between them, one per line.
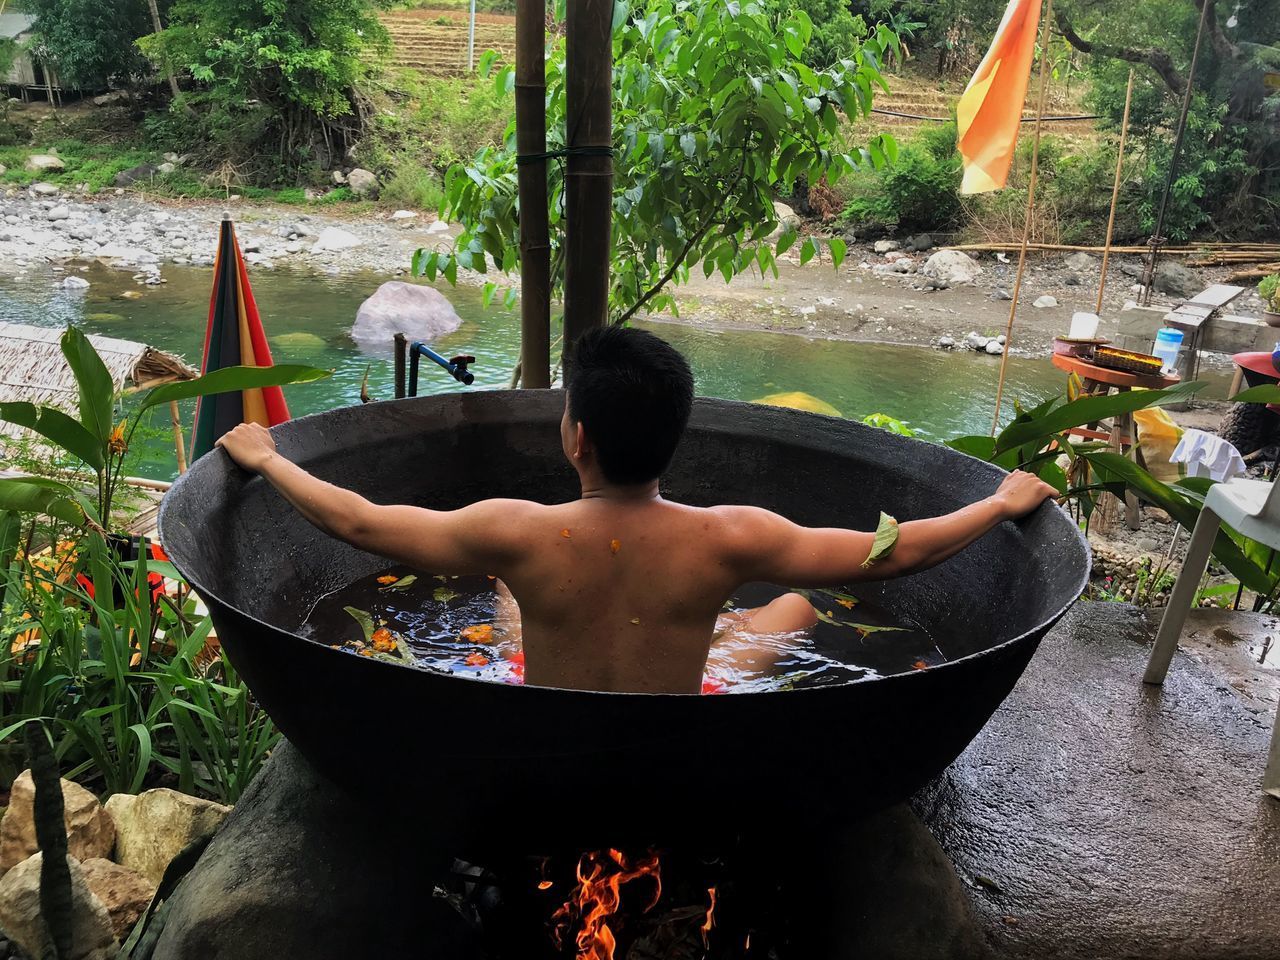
1229	174
90	41
279	75
920	190
715	111
837	33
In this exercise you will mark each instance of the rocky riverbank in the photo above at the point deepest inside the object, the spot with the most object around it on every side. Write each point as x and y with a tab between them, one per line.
903	292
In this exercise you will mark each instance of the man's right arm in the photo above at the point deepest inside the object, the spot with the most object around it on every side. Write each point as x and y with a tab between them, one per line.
773	549
479	538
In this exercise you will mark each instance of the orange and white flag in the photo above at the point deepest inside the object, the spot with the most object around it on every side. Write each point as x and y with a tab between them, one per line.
990	109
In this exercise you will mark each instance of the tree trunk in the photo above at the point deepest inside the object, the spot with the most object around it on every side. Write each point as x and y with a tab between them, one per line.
155	22
535	245
589	175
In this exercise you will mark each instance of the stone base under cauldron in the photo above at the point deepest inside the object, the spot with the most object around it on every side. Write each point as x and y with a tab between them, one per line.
301	870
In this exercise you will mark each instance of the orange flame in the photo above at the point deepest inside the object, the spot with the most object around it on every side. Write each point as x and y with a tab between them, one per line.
709	923
597	897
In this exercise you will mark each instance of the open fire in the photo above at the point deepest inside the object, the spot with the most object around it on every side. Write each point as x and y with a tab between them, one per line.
616	892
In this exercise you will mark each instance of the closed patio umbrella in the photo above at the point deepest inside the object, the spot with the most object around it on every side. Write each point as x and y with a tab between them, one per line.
234	337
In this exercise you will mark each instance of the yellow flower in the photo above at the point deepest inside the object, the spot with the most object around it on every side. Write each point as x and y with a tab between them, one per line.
116	444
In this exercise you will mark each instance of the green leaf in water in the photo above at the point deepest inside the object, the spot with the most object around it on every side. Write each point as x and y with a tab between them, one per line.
886	539
444	594
365	620
404	583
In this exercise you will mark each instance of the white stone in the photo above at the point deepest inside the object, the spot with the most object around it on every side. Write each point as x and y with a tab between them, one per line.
438	227
1045	300
403	215
45	163
886	246
362	182
75	283
92	937
167	167
787	219
951	267
173	158
417	311
44	189
994	347
339	178
335	238
60	212
153	827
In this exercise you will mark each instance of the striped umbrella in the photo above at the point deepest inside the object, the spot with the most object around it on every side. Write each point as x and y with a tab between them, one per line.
234	338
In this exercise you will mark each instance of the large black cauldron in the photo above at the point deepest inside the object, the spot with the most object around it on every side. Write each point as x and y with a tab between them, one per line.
556	766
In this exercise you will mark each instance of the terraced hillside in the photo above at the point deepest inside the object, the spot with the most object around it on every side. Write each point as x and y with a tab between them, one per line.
435	42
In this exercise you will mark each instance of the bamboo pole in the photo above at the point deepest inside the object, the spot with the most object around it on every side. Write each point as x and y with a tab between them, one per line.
176	417
1115	194
589	173
1031	205
535	244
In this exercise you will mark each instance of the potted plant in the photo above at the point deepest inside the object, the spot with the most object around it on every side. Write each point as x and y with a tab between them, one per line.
1269	291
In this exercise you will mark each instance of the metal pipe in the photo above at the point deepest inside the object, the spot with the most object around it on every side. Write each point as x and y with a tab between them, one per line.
471	40
1149	271
401	348
418	349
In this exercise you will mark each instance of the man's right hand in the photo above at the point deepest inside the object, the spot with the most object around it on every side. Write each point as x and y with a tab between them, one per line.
249	445
1020	493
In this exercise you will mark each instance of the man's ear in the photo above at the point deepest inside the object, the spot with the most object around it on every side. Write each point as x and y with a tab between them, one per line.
581	445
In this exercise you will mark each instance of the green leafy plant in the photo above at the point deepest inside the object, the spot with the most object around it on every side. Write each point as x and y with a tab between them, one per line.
1035	440
1269	291
96	441
715	110
885	422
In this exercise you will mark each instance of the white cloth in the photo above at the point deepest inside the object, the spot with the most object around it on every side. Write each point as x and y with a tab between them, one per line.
1208	456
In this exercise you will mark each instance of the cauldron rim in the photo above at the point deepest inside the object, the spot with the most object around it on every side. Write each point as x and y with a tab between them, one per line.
1036	631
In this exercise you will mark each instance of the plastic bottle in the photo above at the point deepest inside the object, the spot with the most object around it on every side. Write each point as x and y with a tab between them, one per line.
1168	344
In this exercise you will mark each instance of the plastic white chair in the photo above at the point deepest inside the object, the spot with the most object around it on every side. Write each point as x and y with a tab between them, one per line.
1253	508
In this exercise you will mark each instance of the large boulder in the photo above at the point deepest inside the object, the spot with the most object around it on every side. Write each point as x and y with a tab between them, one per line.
362	183
1176	280
142	172
419	312
92	937
90	832
302	870
152	827
787	219
951	267
335	238
1081	262
124	892
45	163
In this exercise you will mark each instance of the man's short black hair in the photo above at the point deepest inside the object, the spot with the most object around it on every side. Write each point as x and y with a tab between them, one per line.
632	393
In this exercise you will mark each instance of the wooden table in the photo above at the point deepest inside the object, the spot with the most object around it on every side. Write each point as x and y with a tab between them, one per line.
1098	381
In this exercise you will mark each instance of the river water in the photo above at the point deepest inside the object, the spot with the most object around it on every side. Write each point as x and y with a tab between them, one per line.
307	318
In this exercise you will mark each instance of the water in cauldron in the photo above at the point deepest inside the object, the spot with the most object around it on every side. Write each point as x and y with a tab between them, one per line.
455	625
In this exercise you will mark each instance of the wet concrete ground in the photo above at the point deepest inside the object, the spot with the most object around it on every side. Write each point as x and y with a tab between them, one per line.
1095	817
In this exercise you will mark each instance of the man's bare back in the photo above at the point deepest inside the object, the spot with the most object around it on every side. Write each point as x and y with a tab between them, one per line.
620	590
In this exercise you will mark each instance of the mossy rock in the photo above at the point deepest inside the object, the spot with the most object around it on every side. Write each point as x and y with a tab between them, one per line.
799	400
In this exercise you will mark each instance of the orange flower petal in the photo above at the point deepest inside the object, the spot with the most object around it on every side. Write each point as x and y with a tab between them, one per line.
847	604
389	578
615	546
920	665
476	660
565	533
478	633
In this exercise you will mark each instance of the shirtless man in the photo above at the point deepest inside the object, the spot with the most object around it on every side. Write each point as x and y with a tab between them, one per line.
620	590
